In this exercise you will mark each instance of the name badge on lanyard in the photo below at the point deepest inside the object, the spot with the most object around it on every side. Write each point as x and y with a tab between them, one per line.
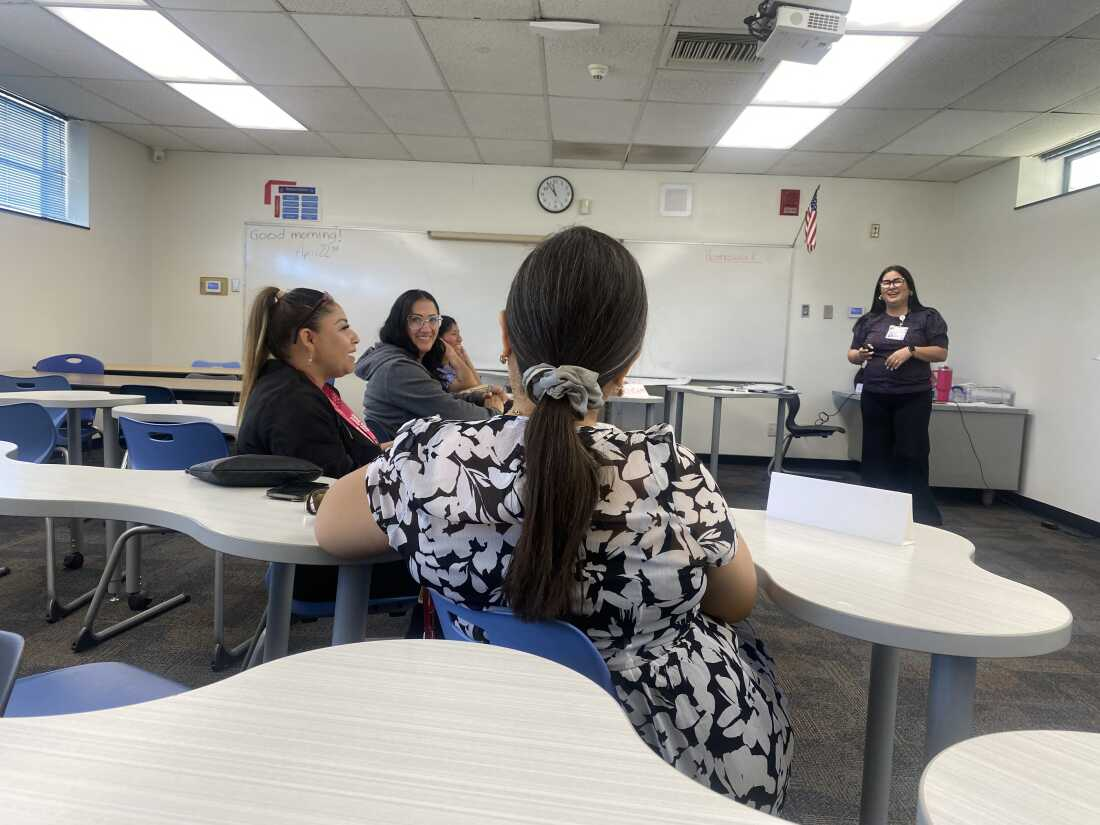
896	333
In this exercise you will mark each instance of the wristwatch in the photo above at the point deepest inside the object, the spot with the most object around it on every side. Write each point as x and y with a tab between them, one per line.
912	350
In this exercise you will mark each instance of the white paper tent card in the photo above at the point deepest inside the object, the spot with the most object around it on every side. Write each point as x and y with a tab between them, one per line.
880	515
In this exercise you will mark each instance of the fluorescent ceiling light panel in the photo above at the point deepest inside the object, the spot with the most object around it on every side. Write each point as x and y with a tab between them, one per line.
243	106
150	41
897	15
847	68
772	127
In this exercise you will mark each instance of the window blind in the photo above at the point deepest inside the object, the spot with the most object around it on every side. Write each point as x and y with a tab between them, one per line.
33	158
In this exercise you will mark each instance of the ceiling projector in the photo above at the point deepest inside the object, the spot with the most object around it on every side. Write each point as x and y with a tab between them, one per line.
797	30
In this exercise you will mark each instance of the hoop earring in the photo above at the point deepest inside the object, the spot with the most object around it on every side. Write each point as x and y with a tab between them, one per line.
503	358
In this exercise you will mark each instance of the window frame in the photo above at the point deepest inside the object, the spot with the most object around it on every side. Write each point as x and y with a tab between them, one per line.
1067	169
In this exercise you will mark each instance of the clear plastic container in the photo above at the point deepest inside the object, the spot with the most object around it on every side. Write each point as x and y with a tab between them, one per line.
973	394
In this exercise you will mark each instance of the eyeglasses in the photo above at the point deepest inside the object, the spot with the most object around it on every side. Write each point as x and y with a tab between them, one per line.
891	284
313	500
417	321
324	299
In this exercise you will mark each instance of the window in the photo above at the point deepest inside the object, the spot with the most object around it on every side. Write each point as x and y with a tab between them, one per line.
1082	170
33	160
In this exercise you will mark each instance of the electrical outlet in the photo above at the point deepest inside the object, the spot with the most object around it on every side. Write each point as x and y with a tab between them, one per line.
805	310
828	312
875	230
771	431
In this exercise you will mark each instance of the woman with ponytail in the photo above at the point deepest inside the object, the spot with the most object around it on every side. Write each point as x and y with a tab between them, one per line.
296	343
558	516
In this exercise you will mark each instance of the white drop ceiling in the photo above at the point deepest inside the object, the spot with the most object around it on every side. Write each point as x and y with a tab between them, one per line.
465	81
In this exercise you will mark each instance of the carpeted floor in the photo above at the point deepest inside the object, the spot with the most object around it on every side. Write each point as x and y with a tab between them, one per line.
824	674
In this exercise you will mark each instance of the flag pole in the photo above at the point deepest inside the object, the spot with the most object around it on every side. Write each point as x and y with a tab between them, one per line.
801	226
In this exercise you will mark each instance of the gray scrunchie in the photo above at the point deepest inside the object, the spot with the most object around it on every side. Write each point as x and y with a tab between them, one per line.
580	386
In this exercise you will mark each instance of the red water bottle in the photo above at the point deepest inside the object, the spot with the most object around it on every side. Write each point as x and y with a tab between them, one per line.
942	379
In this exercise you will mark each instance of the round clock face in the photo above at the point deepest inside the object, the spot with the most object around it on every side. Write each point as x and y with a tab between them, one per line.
555	194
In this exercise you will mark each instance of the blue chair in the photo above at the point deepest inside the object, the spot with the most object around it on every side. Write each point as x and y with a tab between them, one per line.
554	640
31	429
152	446
153	395
42	382
71	362
229	365
78	689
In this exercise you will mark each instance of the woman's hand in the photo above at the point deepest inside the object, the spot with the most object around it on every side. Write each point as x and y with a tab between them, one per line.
494	399
449	354
898	357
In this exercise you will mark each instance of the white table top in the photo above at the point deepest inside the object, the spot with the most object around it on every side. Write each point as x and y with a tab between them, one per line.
70	399
169	370
240	521
1016	778
646	380
410	732
927	596
77	379
223	417
722	392
966	406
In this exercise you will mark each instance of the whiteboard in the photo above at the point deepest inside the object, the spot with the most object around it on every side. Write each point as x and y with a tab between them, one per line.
716	311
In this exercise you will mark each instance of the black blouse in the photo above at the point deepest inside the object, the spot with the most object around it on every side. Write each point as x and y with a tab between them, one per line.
922	327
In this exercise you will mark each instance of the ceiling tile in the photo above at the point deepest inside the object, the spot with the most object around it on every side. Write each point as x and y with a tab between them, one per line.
1087	104
1059	73
11	63
383	52
380	147
263	48
476	9
660	167
486	56
639	12
326	108
955	131
1038	135
936	71
504	116
598	121
155	101
283	142
393	8
815	164
567	150
416	112
569	163
629	51
152	136
66	97
862	130
221	5
1000	18
515	152
684	124
705	87
747	161
35	34
1090	29
716	14
892	167
958	168
222	140
440	149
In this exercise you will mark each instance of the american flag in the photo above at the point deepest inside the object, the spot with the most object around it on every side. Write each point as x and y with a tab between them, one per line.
810	222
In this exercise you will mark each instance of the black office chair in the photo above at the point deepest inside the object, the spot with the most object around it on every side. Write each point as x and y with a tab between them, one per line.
796	430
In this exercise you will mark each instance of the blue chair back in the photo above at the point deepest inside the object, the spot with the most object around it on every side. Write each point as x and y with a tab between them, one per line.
40	382
229	365
11	651
161	446
71	362
153	395
555	640
31	429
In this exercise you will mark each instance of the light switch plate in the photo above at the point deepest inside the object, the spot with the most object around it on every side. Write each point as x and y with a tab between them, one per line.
828	312
805	310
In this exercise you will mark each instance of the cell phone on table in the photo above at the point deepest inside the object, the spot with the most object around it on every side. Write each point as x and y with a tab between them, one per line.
295	490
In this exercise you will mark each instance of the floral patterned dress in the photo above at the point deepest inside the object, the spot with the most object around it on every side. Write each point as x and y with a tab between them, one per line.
699	692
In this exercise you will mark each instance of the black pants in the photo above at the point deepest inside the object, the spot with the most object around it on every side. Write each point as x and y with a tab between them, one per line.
895	447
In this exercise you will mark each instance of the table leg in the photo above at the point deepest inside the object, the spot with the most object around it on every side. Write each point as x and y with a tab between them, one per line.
279	594
650	415
679	427
352	600
780	418
715	437
951	687
878	746
112	457
76	456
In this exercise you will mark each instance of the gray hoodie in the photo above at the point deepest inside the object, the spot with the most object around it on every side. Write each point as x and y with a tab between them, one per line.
400	389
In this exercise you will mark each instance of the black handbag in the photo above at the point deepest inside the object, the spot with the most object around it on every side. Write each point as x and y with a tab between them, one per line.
254	470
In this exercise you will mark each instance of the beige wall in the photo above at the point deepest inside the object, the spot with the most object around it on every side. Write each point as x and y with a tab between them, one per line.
83	290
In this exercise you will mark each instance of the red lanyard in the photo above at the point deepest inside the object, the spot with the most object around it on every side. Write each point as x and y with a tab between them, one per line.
344	411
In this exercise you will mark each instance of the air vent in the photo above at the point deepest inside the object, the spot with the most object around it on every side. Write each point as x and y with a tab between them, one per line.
824	22
713	49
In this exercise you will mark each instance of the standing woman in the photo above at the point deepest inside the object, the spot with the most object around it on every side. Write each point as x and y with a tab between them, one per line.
895	344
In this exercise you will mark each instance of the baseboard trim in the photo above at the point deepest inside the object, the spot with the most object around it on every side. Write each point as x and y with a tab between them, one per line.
1054	514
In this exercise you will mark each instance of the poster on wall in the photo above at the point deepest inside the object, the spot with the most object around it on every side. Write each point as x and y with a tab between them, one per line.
290	201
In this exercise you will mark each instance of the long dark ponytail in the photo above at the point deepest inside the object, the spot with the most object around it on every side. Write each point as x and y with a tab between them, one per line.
578	299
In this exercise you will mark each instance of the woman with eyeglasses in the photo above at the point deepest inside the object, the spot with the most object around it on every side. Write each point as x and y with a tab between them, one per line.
296	342
895	345
560	516
401	371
